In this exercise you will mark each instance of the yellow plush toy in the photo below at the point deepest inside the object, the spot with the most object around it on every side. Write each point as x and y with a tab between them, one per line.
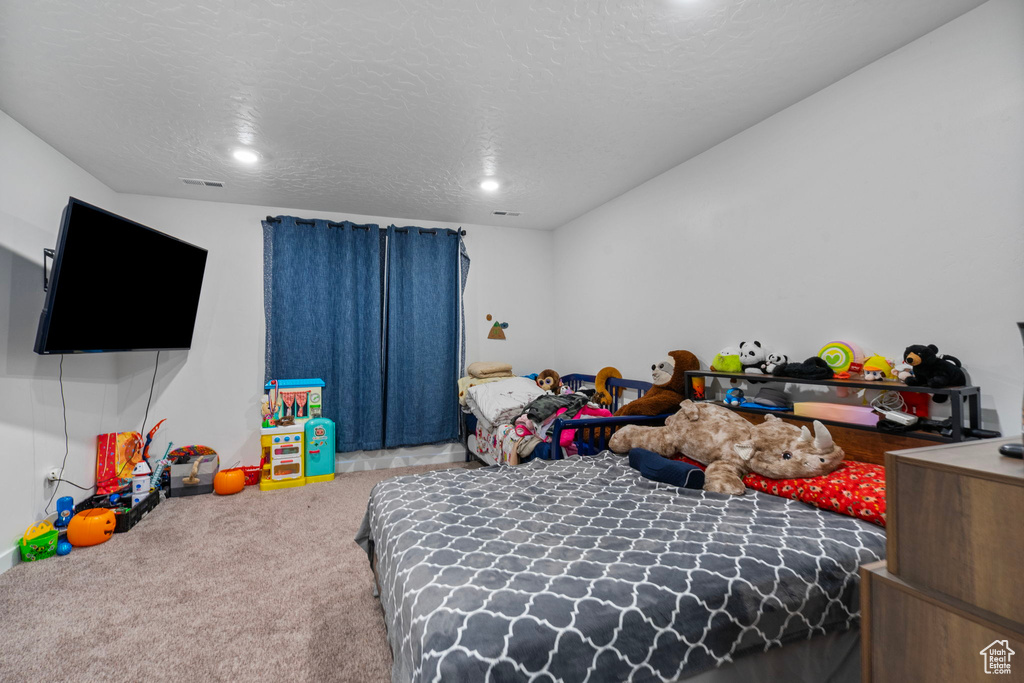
877	368
603	395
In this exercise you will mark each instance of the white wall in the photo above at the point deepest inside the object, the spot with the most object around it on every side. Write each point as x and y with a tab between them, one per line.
35	182
886	209
210	395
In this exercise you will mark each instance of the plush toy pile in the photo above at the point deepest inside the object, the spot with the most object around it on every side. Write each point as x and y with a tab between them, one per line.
751	358
731	446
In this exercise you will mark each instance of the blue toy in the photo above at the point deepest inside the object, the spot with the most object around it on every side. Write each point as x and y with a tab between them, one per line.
65	510
734	397
320	447
63	548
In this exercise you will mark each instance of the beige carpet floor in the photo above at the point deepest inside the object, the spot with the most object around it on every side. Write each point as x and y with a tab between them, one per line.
255	586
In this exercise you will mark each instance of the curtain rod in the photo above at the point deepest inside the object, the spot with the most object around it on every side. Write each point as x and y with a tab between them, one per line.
333	224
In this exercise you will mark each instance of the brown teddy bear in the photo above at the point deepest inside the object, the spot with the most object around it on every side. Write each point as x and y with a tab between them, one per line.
669	386
731	446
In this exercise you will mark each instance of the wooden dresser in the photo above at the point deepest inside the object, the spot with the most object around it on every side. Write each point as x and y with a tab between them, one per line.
953	581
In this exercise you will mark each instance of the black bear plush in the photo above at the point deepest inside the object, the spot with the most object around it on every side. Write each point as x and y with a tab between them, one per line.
933	370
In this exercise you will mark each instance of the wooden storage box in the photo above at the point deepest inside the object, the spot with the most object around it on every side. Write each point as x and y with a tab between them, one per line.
955	524
911	635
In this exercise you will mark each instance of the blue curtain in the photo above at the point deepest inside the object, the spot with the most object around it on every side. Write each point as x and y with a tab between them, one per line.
422	336
323	294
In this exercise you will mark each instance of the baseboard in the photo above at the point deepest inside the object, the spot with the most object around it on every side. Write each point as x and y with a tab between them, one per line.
356	461
359	461
9	558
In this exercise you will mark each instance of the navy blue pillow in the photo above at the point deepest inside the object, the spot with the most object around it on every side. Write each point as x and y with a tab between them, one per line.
658	468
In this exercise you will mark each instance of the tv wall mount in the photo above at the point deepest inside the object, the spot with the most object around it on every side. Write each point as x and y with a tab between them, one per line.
46	271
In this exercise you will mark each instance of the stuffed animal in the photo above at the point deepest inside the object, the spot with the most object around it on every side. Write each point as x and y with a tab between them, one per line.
733	397
774	360
752	357
548	380
669	386
727	360
602	395
812	368
933	370
731	446
902	371
876	369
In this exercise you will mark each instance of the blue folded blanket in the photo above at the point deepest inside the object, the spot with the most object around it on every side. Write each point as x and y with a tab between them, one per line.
659	468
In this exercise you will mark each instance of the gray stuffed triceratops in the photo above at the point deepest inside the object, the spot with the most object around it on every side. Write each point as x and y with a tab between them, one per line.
732	447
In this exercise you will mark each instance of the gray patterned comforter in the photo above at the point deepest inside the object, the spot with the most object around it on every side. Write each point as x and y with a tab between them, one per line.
582	570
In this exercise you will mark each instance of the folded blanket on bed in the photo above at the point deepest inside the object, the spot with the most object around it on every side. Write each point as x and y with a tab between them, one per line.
482	369
467	382
501	402
496	375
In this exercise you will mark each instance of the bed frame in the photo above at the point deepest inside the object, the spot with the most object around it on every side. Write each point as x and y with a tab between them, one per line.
860	445
621	390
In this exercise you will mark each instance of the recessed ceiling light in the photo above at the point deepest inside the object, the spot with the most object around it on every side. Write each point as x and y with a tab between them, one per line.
246	156
490	185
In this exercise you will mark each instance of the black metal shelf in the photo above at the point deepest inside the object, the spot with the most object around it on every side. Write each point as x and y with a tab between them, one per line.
882	385
926	436
957	396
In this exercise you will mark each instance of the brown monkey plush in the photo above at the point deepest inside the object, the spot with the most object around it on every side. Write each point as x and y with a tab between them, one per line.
548	380
669	386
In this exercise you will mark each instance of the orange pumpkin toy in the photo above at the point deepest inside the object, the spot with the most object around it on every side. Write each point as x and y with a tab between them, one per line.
91	527
230	481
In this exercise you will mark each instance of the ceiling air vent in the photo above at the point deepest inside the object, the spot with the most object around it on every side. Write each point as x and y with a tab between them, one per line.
202	183
506	213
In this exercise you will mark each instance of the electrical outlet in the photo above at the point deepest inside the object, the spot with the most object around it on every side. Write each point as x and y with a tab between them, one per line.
53	474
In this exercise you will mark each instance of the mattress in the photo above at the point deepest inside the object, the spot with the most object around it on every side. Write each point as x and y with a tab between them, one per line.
581	569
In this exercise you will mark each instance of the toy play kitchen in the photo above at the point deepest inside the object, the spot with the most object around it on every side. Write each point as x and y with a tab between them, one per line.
297	444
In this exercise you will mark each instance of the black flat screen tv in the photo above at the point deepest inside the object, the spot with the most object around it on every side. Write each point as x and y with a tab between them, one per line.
117	285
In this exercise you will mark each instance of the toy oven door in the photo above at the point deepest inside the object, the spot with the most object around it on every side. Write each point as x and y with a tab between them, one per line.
281	451
286	462
288	468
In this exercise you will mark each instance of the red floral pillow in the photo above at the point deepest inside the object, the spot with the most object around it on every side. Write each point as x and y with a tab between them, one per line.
856	489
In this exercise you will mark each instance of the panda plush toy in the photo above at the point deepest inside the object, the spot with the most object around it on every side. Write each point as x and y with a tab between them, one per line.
773	361
752	356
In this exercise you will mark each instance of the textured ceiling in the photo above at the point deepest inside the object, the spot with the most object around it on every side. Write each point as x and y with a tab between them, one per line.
400	108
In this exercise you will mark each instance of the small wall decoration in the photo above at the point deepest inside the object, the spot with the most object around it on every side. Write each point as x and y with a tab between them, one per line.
497	329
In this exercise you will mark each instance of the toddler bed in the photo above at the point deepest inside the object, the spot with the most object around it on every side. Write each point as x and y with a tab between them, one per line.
489	435
582	570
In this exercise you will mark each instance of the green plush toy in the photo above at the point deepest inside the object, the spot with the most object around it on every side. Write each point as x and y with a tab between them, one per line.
727	360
